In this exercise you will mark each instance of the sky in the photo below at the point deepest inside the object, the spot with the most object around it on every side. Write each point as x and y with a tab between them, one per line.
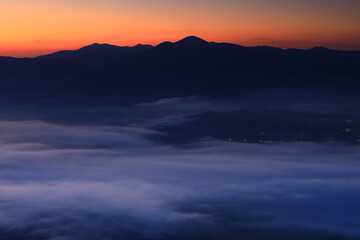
34	27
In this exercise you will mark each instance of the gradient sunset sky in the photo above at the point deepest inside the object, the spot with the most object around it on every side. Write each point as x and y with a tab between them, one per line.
35	27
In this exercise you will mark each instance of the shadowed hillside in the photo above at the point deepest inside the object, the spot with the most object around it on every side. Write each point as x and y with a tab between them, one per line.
191	66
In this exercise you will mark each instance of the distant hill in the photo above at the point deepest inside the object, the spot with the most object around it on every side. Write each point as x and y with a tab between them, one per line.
191	66
95	50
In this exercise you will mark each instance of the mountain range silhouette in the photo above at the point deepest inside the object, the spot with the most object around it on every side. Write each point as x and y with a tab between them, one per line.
191	66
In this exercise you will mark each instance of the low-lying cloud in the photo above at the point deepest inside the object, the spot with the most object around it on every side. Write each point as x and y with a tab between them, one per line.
103	182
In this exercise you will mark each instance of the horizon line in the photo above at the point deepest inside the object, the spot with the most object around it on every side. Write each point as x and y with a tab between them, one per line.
190	36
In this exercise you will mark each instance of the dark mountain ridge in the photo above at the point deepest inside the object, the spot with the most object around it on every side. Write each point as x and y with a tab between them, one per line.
191	66
95	50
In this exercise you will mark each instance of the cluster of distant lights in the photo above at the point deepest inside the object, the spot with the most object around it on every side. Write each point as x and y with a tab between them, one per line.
346	130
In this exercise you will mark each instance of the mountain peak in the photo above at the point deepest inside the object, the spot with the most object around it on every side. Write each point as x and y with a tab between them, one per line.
142	46
98	46
192	40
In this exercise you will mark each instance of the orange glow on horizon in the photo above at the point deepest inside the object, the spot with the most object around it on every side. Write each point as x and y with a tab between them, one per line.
31	28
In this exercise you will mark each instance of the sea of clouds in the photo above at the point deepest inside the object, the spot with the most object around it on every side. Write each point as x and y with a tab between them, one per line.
83	182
